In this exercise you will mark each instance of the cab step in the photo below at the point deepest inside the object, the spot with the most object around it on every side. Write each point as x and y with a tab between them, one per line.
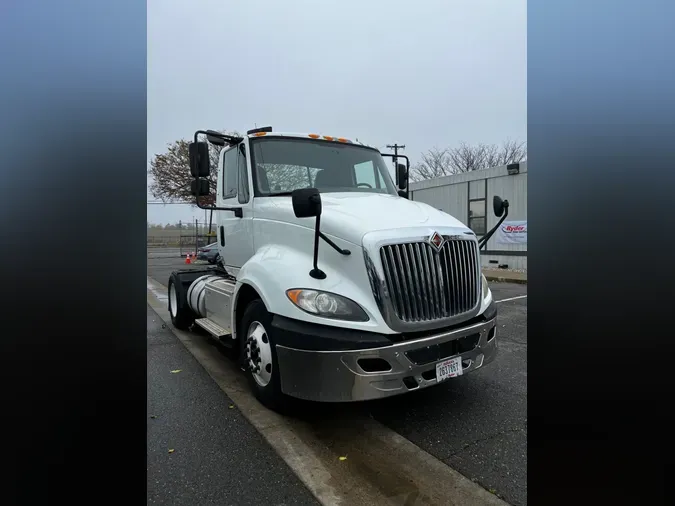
213	328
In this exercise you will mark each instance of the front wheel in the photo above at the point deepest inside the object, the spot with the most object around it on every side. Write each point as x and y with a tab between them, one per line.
259	356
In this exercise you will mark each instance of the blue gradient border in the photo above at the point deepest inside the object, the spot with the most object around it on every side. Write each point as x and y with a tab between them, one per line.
73	134
601	113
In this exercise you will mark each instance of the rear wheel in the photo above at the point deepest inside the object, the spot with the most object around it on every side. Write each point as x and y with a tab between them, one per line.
259	356
182	316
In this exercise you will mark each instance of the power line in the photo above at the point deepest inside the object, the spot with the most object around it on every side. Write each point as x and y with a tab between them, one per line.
396	147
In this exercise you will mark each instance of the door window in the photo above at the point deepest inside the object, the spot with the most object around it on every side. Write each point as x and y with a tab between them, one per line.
230	173
243	174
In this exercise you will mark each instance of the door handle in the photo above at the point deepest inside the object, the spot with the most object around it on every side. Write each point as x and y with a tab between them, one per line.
222	235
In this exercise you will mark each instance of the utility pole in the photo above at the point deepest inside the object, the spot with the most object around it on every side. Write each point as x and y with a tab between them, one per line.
396	147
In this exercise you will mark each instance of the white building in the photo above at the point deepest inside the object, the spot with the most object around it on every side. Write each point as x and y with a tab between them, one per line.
468	197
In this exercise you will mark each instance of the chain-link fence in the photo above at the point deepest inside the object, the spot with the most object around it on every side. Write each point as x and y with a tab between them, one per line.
183	238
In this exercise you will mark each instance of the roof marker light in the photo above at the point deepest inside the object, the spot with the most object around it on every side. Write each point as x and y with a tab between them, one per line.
328	137
314	136
262	129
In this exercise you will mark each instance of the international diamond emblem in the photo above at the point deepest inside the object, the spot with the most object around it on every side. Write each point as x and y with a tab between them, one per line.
436	240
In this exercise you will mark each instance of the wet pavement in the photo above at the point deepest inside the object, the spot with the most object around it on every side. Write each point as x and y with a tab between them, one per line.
201	451
477	423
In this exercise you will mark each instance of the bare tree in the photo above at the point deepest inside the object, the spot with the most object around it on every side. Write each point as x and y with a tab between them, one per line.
465	158
435	163
171	176
509	152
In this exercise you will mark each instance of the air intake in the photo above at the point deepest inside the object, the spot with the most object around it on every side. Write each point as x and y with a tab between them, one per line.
427	285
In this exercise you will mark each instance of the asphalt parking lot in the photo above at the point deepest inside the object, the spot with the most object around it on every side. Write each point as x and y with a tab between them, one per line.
476	424
162	264
170	253
200	450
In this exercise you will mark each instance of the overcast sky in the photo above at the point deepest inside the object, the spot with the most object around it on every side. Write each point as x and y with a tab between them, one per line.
429	73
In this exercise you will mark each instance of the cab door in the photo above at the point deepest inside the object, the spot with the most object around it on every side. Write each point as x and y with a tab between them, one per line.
234	233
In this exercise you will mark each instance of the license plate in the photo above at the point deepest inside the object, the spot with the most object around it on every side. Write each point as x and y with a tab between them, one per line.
449	368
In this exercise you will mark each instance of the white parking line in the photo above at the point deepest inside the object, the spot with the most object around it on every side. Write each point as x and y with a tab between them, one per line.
512	298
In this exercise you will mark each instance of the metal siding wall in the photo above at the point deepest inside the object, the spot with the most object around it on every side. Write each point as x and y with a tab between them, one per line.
451	199
451	194
513	189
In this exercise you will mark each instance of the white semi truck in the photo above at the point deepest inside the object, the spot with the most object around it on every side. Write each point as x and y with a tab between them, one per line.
334	285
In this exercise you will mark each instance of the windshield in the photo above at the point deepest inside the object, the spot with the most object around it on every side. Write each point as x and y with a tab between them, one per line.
284	164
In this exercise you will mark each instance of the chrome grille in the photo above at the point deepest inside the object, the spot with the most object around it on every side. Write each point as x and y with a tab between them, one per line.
426	285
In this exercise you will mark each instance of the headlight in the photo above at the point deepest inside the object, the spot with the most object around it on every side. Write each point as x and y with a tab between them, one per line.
328	305
486	288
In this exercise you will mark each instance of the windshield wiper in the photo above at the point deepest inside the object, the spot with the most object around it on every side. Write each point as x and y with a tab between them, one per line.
280	194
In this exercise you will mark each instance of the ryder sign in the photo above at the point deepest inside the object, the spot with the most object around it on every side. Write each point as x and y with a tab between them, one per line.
512	232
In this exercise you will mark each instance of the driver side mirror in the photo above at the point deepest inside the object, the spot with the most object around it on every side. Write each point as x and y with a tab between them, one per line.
402	176
306	202
499	205
200	165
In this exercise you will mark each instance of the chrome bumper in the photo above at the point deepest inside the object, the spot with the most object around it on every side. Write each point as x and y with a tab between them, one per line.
337	376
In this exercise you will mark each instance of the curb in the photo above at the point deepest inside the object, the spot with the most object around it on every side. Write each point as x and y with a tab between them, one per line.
503	279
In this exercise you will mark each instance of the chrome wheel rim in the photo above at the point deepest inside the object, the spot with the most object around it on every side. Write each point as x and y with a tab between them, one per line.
259	354
173	300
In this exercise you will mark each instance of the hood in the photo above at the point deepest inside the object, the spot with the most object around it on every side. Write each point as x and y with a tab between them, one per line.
351	215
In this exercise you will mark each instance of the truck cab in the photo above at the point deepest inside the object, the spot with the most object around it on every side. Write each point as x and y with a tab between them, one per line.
334	286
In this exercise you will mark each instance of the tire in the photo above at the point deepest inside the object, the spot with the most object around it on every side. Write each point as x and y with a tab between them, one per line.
182	316
257	320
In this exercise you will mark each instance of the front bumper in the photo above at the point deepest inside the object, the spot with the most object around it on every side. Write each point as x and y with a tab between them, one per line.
382	371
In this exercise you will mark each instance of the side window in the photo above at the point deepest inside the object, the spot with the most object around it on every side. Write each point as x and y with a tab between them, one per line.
366	175
243	175
230	173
